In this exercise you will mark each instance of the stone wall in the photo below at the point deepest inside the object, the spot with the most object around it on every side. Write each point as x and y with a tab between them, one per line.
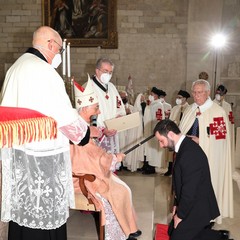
162	43
152	42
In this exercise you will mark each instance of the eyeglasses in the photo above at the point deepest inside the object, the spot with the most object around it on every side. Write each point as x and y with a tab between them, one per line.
61	49
105	71
198	92
94	107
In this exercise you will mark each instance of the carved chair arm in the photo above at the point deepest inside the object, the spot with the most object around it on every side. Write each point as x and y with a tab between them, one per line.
81	179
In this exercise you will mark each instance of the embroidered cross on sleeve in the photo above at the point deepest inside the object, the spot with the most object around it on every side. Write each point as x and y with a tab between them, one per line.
218	128
231	117
159	114
119	103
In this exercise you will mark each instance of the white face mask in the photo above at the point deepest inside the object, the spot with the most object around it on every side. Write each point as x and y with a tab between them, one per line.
151	98
178	101
218	97
162	100
105	78
57	60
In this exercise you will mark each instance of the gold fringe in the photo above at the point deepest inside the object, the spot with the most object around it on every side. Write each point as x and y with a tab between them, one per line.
18	132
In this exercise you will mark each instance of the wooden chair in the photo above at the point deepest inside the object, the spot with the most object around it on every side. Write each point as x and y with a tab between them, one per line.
83	203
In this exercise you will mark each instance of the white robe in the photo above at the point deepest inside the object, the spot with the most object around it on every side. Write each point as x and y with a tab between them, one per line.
110	108
176	112
130	138
167	108
214	138
228	109
37	177
154	154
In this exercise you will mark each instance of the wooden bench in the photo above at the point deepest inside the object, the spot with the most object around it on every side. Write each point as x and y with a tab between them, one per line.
83	203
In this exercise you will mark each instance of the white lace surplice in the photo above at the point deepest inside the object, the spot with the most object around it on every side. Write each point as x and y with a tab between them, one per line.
112	228
37	189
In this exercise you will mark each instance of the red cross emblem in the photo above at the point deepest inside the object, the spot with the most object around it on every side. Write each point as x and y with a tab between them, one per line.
119	103
91	99
159	114
79	101
231	117
218	128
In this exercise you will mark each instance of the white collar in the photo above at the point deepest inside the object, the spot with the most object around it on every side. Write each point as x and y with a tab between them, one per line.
177	146
83	119
203	107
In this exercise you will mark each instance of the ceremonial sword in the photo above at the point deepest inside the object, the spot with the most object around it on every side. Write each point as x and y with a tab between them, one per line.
139	144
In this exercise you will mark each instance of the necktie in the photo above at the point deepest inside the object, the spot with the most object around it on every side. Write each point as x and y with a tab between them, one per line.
195	124
181	114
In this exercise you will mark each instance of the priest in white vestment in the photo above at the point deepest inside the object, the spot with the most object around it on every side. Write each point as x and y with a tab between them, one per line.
213	135
131	137
110	102
167	106
37	188
154	112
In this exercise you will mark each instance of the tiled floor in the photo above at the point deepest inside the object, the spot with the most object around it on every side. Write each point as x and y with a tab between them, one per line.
151	200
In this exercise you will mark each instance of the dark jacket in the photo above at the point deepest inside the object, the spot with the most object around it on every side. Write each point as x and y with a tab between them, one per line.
194	195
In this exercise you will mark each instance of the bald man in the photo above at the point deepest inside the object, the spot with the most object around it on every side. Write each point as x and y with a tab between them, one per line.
37	182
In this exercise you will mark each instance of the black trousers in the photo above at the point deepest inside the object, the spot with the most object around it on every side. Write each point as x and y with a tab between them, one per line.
17	232
197	232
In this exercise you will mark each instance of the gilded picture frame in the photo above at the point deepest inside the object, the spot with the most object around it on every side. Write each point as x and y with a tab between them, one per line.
84	23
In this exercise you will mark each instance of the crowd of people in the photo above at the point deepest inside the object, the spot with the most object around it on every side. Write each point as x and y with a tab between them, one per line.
193	141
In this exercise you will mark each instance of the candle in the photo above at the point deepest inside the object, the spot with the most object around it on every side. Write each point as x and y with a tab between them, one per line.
64	58
68	61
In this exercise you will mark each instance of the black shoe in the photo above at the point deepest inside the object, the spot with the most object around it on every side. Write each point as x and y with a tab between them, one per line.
168	173
144	167
136	234
125	168
131	238
224	234
211	224
140	169
149	170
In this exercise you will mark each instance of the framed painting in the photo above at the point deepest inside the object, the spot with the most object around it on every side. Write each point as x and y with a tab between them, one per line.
84	23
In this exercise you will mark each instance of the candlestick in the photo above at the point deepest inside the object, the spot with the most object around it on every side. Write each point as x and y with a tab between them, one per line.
68	61
72	91
64	58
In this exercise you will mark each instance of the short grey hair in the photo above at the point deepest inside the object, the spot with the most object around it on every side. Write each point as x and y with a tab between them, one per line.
100	61
202	82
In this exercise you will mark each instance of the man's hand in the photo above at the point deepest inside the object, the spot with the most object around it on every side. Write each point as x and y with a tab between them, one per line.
174	210
176	220
109	132
120	156
95	132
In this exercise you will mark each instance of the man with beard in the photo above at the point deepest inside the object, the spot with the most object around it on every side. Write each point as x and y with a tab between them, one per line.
195	204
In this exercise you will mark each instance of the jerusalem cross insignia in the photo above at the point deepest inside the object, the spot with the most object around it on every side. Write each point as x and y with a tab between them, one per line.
218	128
159	114
231	117
119	103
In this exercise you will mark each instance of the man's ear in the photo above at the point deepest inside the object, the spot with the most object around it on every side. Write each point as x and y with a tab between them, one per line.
170	135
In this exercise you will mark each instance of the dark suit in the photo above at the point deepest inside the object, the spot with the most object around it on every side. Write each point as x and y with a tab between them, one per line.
194	195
